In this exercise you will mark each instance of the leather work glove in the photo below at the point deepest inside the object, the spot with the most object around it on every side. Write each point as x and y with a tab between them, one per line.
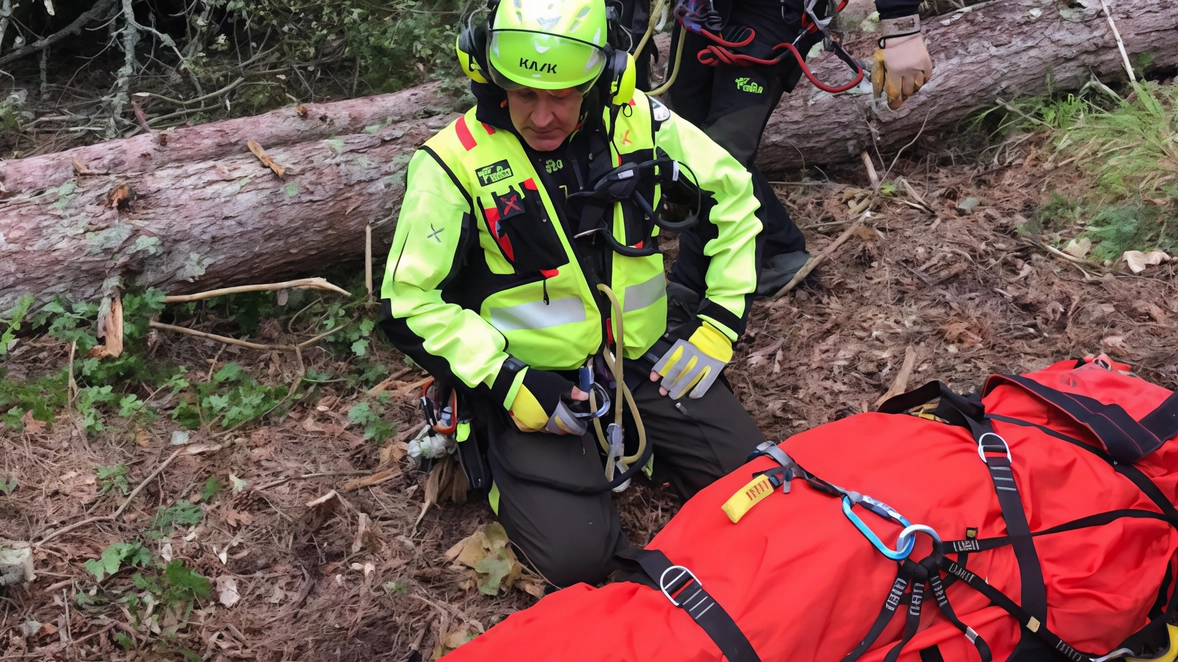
540	405
902	63
696	362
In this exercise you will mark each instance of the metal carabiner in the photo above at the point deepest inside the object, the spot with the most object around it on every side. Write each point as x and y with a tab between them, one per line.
905	544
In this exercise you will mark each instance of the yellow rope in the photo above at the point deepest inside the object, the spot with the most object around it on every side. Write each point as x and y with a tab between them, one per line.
675	68
613	361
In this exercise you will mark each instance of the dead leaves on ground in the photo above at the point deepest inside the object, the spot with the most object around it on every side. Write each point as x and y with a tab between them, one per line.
496	568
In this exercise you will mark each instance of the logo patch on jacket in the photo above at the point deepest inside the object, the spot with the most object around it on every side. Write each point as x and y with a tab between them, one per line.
496	172
746	84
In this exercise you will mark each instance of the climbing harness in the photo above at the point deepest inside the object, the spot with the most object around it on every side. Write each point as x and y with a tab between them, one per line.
734	44
593	209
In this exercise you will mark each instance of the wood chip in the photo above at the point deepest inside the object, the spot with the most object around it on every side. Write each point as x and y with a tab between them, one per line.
372	479
265	158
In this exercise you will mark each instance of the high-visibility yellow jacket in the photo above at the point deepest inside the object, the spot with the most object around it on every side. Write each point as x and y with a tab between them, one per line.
483	269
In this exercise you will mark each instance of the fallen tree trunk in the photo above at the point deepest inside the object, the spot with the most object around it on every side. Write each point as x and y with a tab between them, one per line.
996	50
209	142
212	215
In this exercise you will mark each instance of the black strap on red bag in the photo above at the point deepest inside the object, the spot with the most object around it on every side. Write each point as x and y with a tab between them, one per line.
681	587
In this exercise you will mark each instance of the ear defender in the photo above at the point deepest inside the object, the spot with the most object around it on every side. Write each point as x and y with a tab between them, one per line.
466	47
622	74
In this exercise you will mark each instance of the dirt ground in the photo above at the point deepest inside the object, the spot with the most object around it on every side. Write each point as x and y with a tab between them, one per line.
359	577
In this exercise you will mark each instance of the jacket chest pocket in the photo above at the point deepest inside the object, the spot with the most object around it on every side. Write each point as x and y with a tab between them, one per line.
523	230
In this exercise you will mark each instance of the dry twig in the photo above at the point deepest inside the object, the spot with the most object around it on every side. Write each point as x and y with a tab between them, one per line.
302	283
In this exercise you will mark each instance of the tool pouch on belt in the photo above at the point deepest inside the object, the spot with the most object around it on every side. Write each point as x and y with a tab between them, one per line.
535	245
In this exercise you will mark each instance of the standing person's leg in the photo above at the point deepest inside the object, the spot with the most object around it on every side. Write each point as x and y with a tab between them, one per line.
567	537
696	441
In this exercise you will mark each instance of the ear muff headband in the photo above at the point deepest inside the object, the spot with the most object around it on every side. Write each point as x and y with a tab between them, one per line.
471	45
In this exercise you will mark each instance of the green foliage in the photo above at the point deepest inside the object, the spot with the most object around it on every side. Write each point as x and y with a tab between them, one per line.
375	428
115	557
212	486
112	477
8	485
12	324
89	399
43	396
77	324
1125	151
183	585
167	519
230	398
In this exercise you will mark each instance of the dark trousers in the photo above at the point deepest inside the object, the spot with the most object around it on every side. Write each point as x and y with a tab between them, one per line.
732	105
571	537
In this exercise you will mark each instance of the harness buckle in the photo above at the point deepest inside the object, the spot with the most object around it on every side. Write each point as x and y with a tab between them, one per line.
682	579
997	448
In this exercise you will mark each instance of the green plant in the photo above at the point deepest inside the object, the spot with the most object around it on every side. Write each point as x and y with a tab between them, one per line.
212	486
167	519
115	557
89	399
8	486
43	396
112	477
375	428
1121	192
12	324
229	399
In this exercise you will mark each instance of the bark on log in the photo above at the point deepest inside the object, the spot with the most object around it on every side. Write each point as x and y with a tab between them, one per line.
207	213
996	50
209	142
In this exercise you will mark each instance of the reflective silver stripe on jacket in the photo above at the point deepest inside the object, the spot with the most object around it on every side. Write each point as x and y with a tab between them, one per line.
538	315
645	294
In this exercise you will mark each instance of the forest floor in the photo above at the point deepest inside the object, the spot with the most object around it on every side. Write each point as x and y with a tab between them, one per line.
301	564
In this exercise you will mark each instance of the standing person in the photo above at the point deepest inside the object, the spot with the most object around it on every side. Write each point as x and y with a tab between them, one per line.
525	273
733	70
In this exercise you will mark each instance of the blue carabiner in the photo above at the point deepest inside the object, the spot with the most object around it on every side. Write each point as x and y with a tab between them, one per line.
880	509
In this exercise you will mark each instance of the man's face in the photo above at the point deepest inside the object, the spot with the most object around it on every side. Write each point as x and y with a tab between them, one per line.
544	118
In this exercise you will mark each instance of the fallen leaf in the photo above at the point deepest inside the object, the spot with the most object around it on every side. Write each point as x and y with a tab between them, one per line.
77	485
1115	342
235	518
142	438
32	425
489	553
1078	249
532	586
452	640
227	591
393	453
265	158
179	437
238	484
1138	261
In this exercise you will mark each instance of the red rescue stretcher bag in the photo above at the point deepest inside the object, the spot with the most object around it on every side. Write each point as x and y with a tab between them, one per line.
1035	523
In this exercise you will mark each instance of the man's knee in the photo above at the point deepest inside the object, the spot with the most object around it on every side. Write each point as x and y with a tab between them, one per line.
574	556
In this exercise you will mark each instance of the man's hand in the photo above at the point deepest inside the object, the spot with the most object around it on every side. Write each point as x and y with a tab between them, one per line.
902	67
696	362
539	404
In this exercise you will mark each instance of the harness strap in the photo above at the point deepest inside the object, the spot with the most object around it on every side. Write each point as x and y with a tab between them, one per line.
1125	439
1163	421
915	603
890	606
1027	620
684	590
995	453
1129	471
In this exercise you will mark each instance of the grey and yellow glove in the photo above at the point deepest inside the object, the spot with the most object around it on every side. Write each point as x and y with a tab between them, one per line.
541	404
902	62
695	362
